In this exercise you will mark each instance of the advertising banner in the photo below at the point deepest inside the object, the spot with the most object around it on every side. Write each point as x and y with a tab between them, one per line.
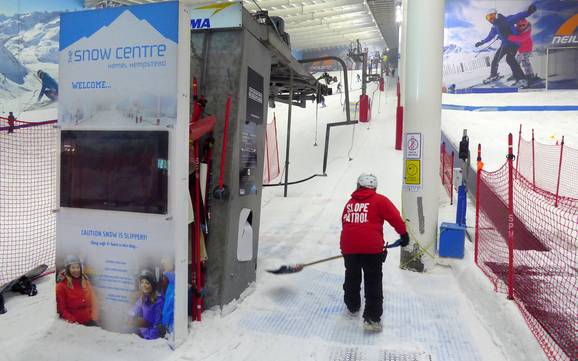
118	101
374	51
216	16
29	32
492	45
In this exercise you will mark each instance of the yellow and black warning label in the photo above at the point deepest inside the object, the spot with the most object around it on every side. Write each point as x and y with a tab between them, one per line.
413	171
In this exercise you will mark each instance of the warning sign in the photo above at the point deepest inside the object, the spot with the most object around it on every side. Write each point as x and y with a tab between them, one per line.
413	146
412	171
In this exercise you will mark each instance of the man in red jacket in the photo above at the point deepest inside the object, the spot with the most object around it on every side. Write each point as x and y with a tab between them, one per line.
363	248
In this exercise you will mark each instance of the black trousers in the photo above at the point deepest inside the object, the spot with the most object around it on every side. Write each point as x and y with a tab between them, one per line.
371	265
510	53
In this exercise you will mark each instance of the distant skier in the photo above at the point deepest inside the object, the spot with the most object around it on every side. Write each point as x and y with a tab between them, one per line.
364	249
49	86
339	88
504	26
524	41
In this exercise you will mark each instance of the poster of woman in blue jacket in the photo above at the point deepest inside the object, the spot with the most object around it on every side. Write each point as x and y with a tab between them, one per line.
146	314
502	27
479	34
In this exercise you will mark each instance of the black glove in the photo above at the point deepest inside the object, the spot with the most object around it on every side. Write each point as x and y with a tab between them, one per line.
383	255
479	43
404	239
531	9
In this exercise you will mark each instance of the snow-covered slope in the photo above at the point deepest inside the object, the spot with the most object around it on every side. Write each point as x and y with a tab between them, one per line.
28	42
10	67
450	313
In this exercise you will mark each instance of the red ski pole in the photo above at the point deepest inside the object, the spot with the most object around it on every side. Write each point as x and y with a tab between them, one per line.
221	191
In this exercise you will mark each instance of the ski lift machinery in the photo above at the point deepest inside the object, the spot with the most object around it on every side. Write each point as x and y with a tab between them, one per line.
251	65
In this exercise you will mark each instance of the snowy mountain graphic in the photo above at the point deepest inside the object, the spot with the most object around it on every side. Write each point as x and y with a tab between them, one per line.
28	43
452	49
140	31
136	79
10	67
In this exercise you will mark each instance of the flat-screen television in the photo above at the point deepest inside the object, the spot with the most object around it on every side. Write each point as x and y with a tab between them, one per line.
114	170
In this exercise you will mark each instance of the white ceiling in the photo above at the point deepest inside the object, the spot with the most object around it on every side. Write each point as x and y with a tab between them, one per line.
314	24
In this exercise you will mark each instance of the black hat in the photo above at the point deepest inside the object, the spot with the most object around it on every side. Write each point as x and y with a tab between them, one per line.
147	275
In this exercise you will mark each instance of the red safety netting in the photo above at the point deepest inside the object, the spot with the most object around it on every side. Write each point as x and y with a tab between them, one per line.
272	169
447	171
544	164
27	196
544	248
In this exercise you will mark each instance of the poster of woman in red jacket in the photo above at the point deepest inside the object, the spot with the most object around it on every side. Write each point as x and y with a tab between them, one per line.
363	248
75	300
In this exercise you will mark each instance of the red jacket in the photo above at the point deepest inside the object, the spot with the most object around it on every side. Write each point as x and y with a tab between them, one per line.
76	304
362	222
524	40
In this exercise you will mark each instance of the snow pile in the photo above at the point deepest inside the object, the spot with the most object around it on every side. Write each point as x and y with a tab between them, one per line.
491	128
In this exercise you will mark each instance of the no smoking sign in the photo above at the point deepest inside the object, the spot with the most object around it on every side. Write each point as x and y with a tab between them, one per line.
413	146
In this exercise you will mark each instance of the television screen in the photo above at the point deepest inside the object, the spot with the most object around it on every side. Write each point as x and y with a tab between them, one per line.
114	170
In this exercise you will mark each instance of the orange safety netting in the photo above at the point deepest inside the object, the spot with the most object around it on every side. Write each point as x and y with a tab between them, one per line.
447	171
544	249
550	167
272	169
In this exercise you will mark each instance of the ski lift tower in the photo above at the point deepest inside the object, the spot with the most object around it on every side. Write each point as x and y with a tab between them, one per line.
359	55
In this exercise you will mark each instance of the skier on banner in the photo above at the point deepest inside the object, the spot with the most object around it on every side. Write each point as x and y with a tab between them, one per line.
503	26
364	249
49	86
11	121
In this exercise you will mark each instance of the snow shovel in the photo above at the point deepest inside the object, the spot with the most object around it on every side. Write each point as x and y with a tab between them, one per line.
286	269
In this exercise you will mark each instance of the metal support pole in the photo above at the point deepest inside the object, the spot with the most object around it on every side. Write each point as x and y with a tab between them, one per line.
364	75
422	117
288	133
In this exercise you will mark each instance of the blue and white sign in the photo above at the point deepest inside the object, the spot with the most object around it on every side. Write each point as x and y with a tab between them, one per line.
123	167
216	16
118	66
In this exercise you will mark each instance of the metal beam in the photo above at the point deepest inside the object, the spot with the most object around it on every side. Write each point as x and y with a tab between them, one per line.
326	16
336	34
330	29
309	8
335	42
